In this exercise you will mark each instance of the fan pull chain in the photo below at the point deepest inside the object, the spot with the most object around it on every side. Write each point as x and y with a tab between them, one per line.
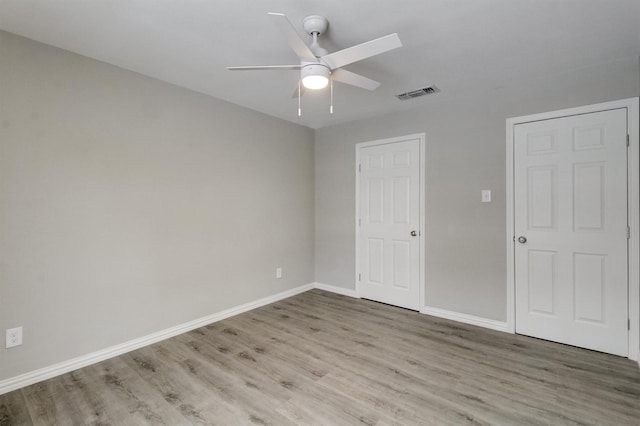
331	83
299	94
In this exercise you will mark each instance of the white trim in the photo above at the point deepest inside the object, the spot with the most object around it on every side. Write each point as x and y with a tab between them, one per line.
335	289
436	312
41	374
464	318
422	205
633	188
511	279
633	127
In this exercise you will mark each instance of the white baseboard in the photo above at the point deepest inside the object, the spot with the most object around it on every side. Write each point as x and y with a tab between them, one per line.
36	376
338	290
436	312
467	319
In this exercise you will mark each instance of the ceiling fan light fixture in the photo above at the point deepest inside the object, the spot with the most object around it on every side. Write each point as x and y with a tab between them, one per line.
315	82
315	76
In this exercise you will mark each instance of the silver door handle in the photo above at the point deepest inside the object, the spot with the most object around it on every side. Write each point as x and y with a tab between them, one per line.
522	240
414	233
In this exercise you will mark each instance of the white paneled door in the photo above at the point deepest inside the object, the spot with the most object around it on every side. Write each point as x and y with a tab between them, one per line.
570	222
389	223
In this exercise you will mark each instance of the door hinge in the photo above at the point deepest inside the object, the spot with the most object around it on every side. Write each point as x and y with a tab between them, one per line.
359	277
628	323
627	140
359	222
359	167
628	232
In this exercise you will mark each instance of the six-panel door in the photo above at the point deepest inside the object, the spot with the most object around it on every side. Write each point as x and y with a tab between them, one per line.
571	211
389	191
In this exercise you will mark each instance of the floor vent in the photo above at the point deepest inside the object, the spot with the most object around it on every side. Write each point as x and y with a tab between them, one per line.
417	93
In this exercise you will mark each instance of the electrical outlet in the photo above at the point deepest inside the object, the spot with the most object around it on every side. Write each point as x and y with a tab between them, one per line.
14	337
278	272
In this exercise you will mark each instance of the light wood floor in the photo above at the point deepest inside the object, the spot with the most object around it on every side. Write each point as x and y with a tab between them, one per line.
320	358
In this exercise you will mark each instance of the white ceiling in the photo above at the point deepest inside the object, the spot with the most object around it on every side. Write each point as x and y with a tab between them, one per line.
462	46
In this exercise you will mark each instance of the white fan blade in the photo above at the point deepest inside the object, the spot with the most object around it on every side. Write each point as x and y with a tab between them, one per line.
348	77
362	51
295	41
265	67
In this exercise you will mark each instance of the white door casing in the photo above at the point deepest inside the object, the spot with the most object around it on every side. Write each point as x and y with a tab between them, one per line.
389	241
572	281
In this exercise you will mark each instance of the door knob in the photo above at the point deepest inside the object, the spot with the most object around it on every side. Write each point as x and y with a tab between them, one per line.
414	233
522	240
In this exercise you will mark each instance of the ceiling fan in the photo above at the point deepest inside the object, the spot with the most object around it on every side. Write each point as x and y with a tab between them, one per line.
317	67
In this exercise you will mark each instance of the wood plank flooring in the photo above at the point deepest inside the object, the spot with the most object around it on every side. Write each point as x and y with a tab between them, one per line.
324	359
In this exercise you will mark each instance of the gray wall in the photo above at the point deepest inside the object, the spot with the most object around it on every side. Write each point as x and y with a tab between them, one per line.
465	138
128	205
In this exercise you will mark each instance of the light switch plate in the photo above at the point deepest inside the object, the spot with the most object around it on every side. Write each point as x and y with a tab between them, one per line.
486	195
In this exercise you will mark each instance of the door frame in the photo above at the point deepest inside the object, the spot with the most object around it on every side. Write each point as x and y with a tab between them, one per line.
421	204
633	209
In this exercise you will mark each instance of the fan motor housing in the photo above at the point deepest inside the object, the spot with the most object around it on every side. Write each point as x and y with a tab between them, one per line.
315	69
